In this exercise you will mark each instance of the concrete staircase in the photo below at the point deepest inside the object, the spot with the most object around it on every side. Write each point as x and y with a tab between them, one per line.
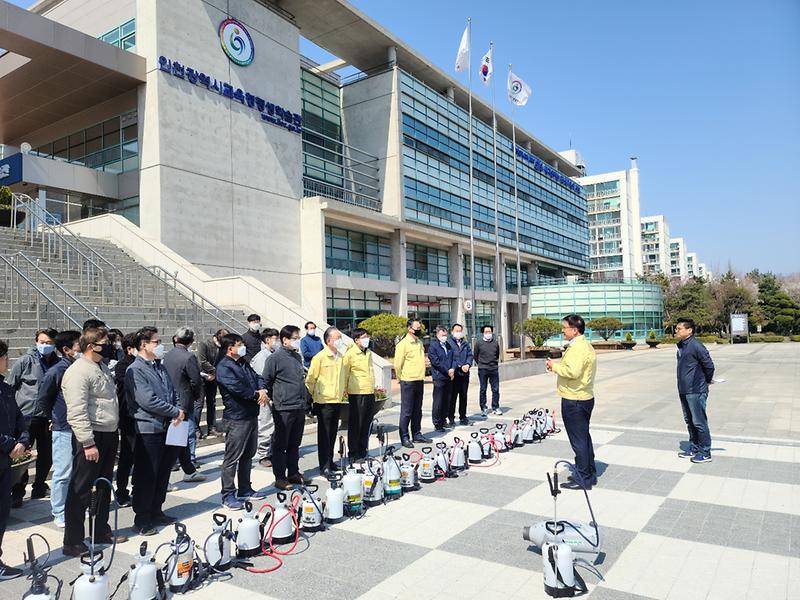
46	274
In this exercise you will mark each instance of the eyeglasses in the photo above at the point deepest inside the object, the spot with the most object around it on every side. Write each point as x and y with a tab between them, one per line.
156	342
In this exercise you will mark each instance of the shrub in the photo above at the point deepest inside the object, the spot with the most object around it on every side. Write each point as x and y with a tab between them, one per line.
795	338
5	197
385	330
651	335
629	337
605	327
707	339
669	340
773	338
539	327
539	341
757	337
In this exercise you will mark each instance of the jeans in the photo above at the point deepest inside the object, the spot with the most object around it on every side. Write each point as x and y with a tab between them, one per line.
694	413
241	440
576	415
411	408
489	377
359	419
62	469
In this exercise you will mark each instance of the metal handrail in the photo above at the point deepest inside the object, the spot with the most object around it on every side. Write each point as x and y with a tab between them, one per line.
67	293
41	292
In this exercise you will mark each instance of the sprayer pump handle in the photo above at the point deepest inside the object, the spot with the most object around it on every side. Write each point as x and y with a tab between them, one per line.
219	518
427	449
281	497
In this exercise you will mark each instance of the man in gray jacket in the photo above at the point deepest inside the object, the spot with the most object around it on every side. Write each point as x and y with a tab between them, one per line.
24	379
285	380
93	415
153	404
208	353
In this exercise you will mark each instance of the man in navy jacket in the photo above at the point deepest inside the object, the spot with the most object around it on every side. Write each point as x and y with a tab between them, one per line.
311	344
462	363
440	354
243	393
14	440
695	372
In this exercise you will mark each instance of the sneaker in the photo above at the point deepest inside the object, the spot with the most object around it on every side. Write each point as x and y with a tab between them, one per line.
233	503
7	572
299	479
497	411
439	428
192	477
175	467
123	499
265	462
146	530
701	458
483	412
58	522
252	495
466	422
686	454
283	484
172	488
450	424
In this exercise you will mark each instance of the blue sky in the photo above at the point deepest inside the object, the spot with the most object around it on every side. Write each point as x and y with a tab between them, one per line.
706	94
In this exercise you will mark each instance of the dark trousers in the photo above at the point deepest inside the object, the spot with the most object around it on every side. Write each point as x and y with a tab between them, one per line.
5	502
127	442
327	428
359	418
411	408
286	442
458	393
152	464
489	377
694	413
42	439
210	388
441	402
576	415
241	441
81	482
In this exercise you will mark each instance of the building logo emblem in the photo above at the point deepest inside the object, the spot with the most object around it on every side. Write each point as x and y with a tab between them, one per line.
236	42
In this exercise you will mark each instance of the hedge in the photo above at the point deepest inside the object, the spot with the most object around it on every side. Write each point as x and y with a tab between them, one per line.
795	338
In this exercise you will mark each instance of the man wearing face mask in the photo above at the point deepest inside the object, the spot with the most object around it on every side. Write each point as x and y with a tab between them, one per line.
24	379
359	382
266	425
93	415
51	403
127	425
440	354
409	364
154	405
487	355
462	363
252	337
286	388
310	345
325	383
243	394
209	357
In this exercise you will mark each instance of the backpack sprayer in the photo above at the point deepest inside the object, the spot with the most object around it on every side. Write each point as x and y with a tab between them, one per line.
40	573
280	525
559	541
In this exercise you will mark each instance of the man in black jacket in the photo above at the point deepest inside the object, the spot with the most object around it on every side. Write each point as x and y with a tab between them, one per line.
127	426
243	394
487	356
284	377
695	372
14	440
252	337
208	353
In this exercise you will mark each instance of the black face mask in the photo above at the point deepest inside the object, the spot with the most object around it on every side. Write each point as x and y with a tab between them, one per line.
107	351
416	332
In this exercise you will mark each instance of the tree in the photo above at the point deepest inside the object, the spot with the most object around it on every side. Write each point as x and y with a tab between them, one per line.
691	299
539	327
605	326
729	296
385	330
781	313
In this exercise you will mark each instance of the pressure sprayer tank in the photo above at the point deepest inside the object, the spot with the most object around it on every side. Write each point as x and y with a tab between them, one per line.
487	450
311	510
391	478
458	461
248	534
282	521
181	561
427	466
143	578
88	586
408	475
334	500
558	568
373	484
352	485
545	532
217	548
499	436
474	450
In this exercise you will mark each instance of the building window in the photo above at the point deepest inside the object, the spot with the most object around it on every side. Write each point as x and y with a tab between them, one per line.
485	315
357	254
347	308
484	273
427	265
511	276
123	36
431	311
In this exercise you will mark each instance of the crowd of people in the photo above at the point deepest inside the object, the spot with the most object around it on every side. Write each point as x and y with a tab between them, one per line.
96	399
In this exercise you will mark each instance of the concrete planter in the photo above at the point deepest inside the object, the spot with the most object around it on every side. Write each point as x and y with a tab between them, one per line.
653	343
19	468
628	345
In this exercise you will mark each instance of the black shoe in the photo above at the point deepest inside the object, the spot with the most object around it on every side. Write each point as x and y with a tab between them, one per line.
438	428
164	519
16	503
146	530
196	464
123	499
573	480
283	484
75	550
110	538
7	572
200	435
43	492
450	424
298	479
175	467
325	472
422	439
466	422
407	444
574	485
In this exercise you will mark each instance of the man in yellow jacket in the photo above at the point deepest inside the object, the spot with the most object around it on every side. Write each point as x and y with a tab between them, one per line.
326	386
409	364
359	382
576	373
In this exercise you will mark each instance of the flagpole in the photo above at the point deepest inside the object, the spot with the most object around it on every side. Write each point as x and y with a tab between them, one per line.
516	230
498	261
471	210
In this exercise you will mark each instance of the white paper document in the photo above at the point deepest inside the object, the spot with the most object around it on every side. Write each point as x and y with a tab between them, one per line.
718	380
178	435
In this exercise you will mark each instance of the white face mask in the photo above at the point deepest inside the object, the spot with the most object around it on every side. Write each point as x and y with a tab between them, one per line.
364	341
159	351
45	349
255	326
241	350
488	337
77	355
118	345
296	344
340	345
275	345
458	334
135	352
312	331
264	346
442	339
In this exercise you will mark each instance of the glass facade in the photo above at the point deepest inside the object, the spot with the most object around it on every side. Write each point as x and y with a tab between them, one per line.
605	233
123	36
511	276
66	206
485	315
638	305
484	273
347	308
427	265
430	310
552	216
322	129
112	145
357	254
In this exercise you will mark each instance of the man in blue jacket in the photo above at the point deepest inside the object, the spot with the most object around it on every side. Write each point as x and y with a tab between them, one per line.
311	344
462	363
153	404
695	372
440	354
51	404
14	440
243	394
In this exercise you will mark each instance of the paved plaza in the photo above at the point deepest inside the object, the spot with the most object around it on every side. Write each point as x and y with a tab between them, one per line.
669	528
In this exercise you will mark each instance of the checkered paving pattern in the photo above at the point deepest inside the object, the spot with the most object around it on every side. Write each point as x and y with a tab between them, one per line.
669	529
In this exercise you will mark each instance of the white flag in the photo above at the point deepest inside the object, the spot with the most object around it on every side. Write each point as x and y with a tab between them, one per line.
518	90
462	58
486	67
